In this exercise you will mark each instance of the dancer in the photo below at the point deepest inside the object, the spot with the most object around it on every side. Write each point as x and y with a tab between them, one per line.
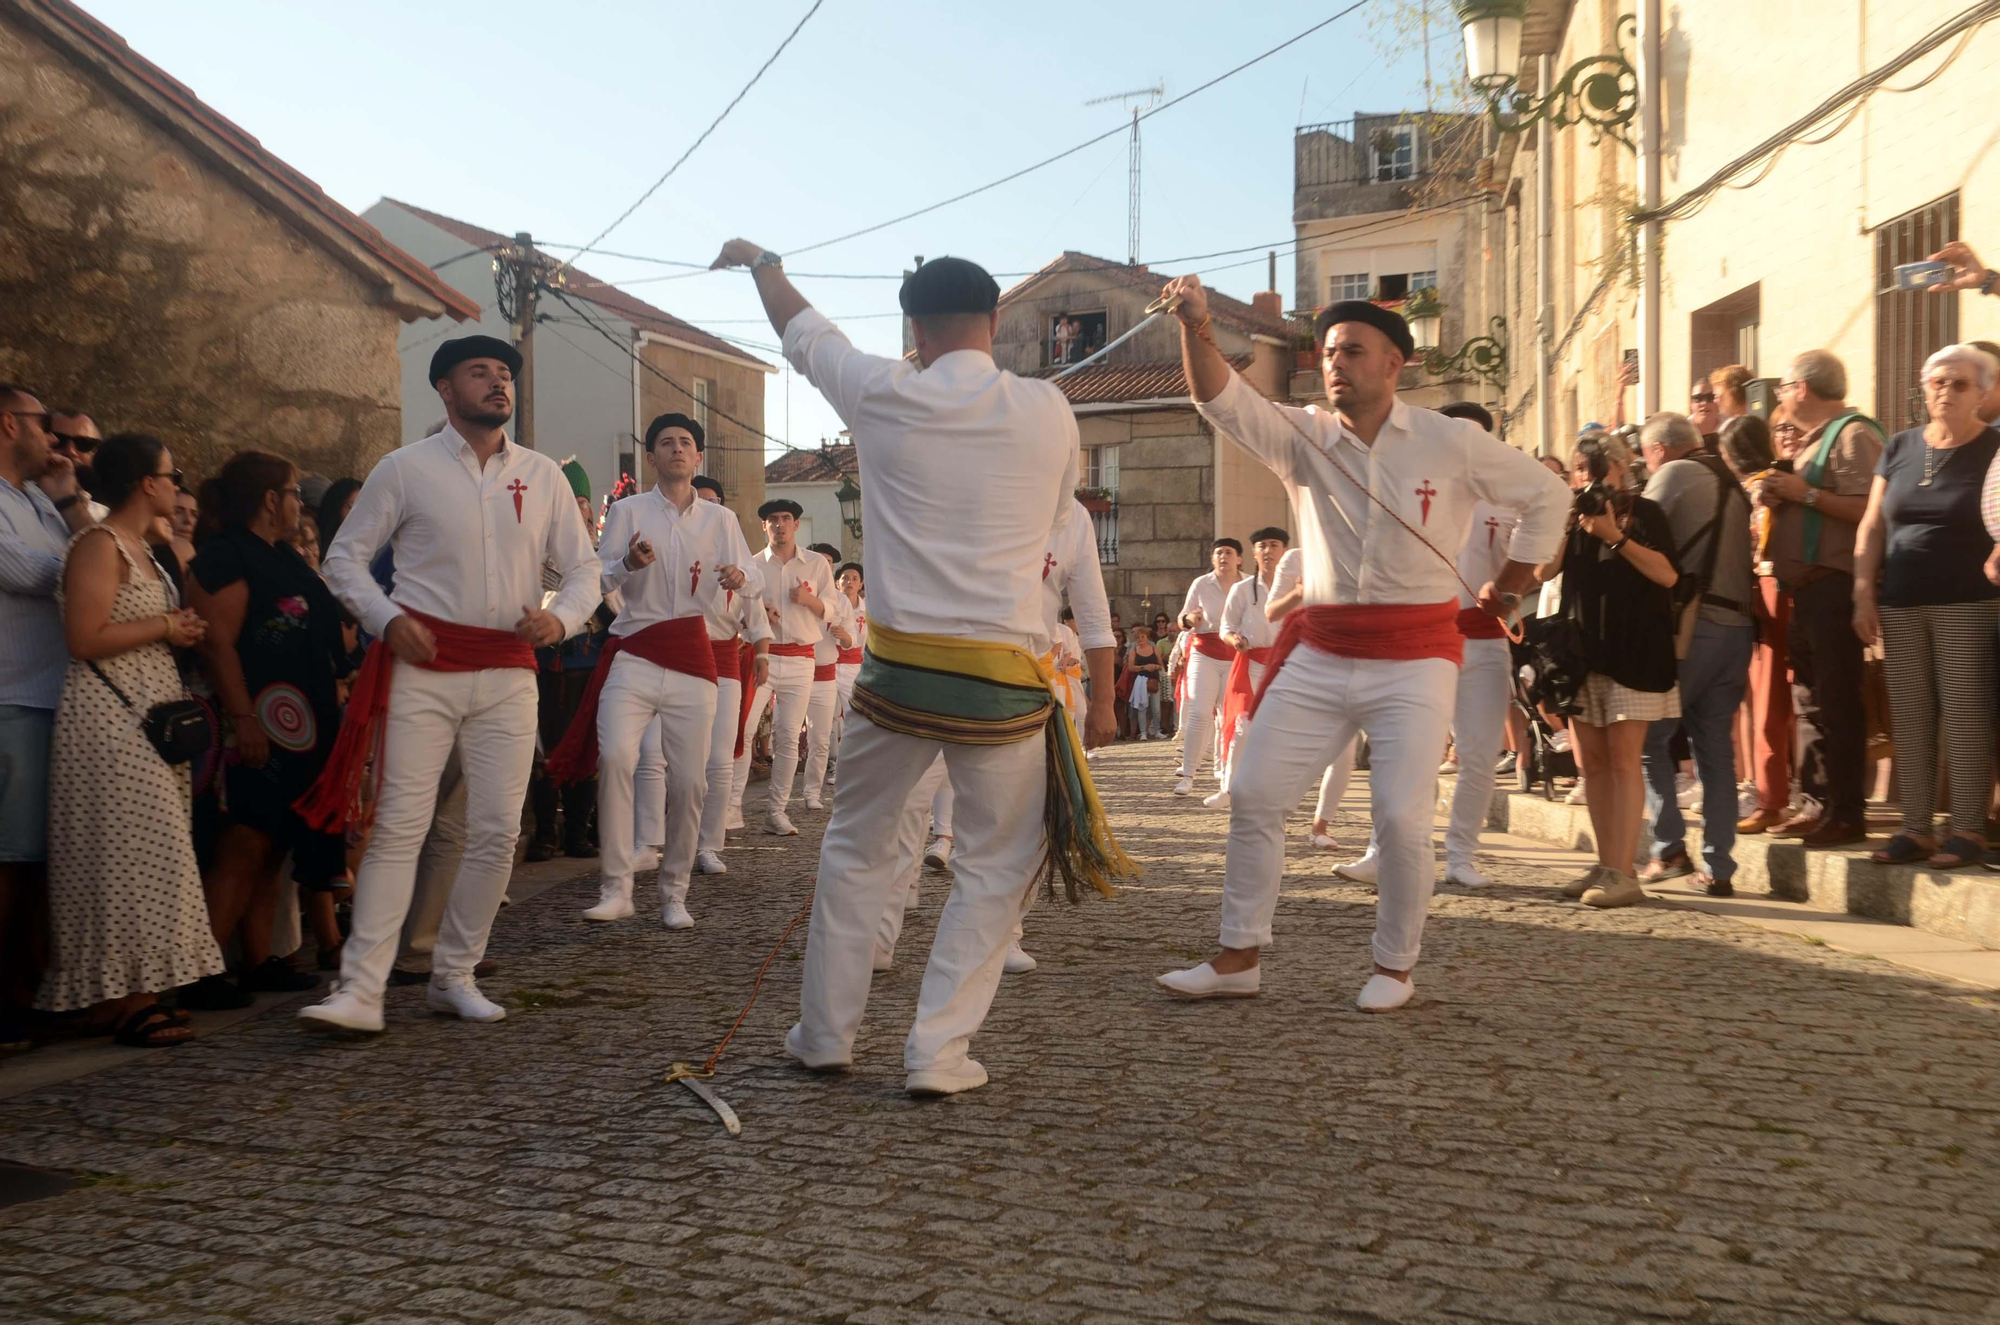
1206	669
1249	632
678	562
823	712
471	518
965	470
847	665
1376	647
797	586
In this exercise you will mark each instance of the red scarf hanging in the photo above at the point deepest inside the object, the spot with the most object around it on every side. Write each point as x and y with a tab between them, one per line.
1238	695
680	645
333	803
748	675
1398	632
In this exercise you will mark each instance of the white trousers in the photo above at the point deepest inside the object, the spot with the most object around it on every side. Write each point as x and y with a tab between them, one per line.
1256	679
1206	678
488	717
941	803
907	867
1310	714
721	764
843	680
1478	724
821	713
437	866
790	688
642	701
993	863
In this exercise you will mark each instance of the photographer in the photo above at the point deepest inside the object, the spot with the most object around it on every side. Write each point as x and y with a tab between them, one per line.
1618	569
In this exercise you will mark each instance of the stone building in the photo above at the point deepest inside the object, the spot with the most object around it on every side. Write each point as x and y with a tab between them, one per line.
1161	483
814	479
606	362
165	273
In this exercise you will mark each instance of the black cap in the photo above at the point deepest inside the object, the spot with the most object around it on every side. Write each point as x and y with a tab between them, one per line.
455	352
944	286
1269	532
1228	543
704	482
1389	324
665	421
780	506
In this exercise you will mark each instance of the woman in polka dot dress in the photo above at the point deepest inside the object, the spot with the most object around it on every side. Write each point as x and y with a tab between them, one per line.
125	897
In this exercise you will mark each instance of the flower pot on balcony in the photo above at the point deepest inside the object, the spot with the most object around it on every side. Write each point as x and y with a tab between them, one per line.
1096	505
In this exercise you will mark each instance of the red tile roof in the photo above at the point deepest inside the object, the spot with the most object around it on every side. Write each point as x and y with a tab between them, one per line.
1233	313
1118	383
824	466
65	22
581	285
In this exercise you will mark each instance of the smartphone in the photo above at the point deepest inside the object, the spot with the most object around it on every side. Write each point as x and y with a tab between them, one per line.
1922	275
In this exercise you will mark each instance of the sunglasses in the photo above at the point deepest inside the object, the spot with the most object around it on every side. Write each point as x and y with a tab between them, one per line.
40	416
173	474
1703	397
80	445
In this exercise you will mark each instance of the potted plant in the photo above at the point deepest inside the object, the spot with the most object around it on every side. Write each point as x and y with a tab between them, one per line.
1307	352
1095	500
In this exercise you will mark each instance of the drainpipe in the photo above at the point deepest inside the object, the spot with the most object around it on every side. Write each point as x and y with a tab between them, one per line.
1651	126
1545	275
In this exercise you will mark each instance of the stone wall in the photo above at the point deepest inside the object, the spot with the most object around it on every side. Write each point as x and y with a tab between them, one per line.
143	289
1166	504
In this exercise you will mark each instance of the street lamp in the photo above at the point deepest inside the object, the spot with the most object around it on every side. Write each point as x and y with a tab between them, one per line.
1492	40
849	497
1601	91
1426	317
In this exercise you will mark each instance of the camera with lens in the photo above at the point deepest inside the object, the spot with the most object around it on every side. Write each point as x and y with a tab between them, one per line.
1598	496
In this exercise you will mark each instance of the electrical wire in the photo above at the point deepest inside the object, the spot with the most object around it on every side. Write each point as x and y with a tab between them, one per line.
713	124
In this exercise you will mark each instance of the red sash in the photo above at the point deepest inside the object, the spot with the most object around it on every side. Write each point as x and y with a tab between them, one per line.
747	671
727	661
823	671
333	803
850	657
1210	644
791	650
1475	623
1397	631
1239	695
680	645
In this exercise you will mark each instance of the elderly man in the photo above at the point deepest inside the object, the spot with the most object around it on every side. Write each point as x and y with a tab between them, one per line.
1710	516
1705	413
1816	510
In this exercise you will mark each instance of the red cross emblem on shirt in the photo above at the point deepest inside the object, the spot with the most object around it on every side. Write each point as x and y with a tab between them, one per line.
694	577
1427	492
517	488
1492	531
1048	563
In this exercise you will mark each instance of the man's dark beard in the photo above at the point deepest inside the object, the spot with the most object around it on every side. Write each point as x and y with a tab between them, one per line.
485	416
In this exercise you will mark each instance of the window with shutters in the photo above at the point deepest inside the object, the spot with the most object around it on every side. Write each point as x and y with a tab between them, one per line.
1910	325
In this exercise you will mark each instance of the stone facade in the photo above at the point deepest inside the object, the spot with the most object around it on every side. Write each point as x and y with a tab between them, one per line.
735	456
147	282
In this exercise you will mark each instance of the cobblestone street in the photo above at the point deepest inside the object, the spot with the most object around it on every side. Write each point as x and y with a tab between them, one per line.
1584	1117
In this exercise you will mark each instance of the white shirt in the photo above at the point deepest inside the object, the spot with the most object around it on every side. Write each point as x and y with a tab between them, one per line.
840	613
1291	569
1243	613
1070	566
469	541
690	548
1488	547
796	624
1431	470
1209	594
965	470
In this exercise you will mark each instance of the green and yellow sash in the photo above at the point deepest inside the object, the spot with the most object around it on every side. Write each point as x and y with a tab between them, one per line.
976	692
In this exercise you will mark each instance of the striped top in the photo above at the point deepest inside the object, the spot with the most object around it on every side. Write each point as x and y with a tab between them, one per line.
33	654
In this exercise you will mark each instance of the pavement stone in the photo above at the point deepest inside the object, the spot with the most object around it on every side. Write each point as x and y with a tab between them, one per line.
1651	1114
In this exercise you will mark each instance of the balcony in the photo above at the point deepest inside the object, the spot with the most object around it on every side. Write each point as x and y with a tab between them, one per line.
1372	163
1104	517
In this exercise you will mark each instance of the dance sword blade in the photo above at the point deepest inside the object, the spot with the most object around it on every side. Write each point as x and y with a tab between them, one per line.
714	1101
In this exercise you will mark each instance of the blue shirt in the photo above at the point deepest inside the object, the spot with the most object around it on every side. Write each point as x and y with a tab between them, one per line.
33	653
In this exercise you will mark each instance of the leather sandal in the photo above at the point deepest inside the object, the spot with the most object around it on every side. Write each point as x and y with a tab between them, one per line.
1955	852
153	1027
1901	850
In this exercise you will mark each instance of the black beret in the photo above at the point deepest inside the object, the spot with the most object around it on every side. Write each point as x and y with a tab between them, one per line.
1228	543
665	421
780	506
455	352
827	550
1270	531
854	566
1466	409
944	286
703	481
1360	310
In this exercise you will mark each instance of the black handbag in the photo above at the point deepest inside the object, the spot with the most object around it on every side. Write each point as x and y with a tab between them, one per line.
179	728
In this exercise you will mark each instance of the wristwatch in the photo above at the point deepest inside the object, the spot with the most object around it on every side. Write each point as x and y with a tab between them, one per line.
1991	282
1812	498
1511	599
768	259
64	503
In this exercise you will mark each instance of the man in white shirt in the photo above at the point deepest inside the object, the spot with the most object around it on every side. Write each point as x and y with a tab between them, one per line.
823	712
471	518
964	472
847	663
678	564
797	588
1376	647
1207	661
1249	632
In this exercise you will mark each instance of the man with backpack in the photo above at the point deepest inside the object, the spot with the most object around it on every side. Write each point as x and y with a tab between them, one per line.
1710	516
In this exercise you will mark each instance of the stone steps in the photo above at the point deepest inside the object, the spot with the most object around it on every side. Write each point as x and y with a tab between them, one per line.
1962	905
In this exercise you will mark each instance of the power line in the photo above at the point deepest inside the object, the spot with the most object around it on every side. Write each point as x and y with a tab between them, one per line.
1089	142
698	141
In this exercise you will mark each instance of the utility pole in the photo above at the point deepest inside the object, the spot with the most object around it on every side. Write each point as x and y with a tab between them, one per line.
1151	96
519	274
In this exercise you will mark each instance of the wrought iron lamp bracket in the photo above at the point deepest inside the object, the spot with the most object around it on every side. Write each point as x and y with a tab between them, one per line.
1601	91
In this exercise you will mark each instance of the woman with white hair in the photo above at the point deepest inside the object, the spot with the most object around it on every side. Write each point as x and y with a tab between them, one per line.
1935	610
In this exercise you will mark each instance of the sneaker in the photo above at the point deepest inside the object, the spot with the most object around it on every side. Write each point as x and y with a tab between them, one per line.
815	804
459	997
675	916
1184	787
777	825
1384	993
1364	870
734	823
275	975
795	1046
1204	981
1576	795
709	862
1018	962
1465	876
1721	888
933	1082
1219	801
1614	888
1576	888
938	856
613	903
1509	762
1559	742
343	1011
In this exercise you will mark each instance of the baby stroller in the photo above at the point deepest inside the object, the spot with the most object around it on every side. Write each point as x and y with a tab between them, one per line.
1544	675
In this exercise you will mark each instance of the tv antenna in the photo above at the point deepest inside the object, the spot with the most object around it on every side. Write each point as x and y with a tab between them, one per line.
1139	99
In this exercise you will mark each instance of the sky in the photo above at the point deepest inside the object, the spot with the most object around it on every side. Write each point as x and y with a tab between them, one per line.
555	118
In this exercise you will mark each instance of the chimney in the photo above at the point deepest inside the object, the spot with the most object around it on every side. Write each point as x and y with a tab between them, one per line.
1269	303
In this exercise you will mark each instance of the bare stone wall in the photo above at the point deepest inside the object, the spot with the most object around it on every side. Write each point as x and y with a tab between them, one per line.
1166	505
142	287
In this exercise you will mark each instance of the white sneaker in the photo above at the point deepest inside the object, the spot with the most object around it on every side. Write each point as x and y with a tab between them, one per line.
939	1081
777	825
734	823
1559	742
1204	981
675	916
645	860
938	856
709	862
1219	801
461	998
1184	787
343	1010
883	961
829	777
1576	795
1324	842
815	803
795	1046
1687	791
1465	876
1018	962
1365	870
613	903
1384	993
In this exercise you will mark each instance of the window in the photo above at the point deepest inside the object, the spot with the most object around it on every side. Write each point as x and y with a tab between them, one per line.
1100	468
1423	280
1074	337
1910	325
704	395
1395	287
1393	153
1352	285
